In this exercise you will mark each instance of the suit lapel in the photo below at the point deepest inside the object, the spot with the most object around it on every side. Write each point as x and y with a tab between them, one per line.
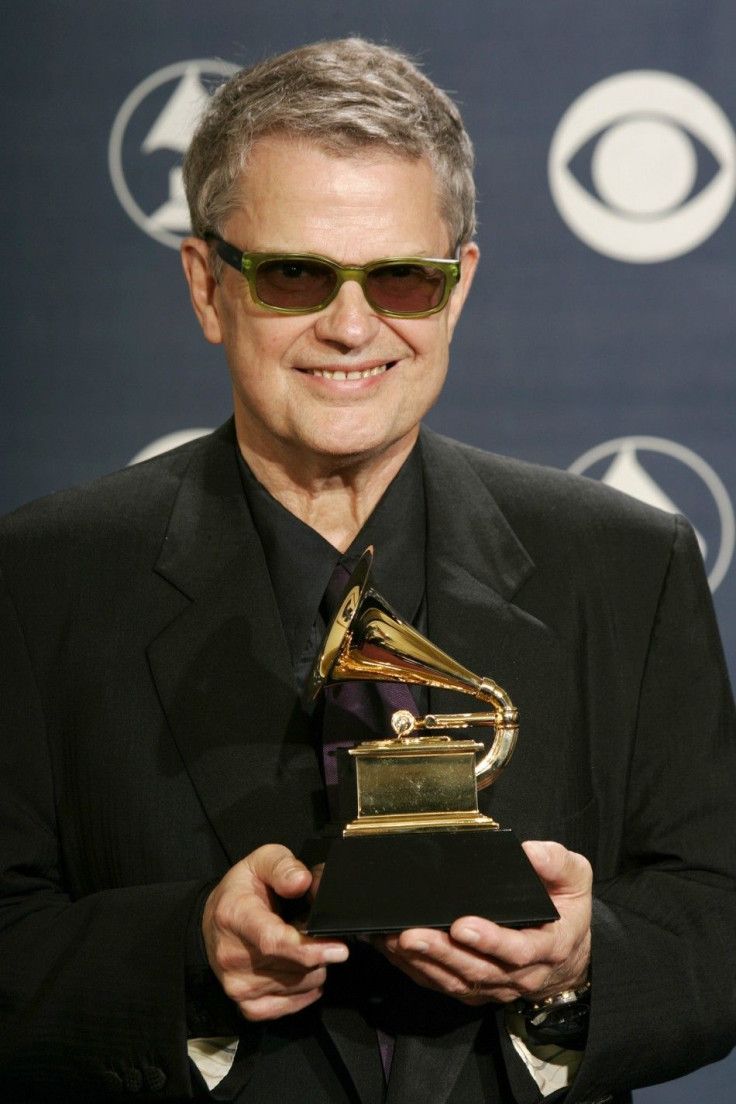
476	566
478	576
226	683
222	668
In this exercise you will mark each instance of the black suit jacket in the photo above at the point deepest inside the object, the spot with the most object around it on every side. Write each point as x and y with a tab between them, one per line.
150	737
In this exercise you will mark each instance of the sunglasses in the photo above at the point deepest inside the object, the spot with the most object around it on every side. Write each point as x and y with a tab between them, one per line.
300	283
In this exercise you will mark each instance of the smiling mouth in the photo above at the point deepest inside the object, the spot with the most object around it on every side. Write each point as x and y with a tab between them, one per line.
341	374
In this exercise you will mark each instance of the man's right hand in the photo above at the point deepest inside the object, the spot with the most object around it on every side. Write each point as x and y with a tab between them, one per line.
264	964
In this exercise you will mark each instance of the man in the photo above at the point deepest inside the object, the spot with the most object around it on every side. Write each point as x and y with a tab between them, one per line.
162	774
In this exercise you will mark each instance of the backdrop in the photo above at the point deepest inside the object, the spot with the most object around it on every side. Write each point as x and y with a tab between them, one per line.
600	330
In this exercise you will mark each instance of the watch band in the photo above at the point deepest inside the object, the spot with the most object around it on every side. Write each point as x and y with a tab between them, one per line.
559	1020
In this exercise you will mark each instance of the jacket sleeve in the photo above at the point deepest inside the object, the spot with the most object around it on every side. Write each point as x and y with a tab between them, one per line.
92	993
664	960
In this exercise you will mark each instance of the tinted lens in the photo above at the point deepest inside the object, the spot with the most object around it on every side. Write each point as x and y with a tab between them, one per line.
406	288
294	284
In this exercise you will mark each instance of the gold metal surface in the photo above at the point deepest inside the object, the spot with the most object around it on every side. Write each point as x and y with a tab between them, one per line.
420	779
416	783
419	822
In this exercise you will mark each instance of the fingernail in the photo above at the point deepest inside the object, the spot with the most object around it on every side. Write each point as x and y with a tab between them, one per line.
420	947
334	954
467	935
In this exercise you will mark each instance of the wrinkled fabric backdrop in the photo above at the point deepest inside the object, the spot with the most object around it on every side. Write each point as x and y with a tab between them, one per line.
599	335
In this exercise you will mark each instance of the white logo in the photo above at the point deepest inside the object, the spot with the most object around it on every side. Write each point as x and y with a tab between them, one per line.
621	467
158	122
167	442
644	166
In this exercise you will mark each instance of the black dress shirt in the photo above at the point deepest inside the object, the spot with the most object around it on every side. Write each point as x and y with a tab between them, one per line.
300	561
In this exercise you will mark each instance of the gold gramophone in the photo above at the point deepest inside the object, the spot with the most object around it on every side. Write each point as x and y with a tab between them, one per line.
417	851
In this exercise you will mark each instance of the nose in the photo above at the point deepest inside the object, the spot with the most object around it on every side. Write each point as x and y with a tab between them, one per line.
349	321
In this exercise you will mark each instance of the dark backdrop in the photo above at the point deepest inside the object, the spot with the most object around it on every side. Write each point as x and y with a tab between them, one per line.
600	329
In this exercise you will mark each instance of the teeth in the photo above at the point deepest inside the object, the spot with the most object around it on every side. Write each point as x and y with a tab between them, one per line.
340	375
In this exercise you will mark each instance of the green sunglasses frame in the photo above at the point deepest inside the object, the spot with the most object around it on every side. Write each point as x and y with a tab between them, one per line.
247	264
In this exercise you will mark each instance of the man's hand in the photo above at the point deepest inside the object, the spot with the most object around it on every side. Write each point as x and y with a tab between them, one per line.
479	961
264	964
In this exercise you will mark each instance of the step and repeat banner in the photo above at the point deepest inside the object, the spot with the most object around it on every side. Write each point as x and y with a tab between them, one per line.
601	330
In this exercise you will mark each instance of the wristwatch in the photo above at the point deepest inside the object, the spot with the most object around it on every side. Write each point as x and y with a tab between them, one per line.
561	1020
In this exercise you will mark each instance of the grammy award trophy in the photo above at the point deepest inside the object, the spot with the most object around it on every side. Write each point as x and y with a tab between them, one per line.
415	851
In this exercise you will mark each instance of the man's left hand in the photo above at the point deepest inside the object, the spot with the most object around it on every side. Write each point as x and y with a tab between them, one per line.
478	961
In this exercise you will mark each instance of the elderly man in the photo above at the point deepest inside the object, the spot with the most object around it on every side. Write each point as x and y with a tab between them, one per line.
162	772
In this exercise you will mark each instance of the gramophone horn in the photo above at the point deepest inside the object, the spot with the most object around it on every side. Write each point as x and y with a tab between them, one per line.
368	640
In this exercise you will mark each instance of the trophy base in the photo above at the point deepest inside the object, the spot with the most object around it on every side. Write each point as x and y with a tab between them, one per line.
388	883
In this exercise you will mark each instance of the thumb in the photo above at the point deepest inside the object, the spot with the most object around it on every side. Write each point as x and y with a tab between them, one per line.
276	867
562	871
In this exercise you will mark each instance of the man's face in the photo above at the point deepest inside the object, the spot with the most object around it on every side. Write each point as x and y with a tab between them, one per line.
341	384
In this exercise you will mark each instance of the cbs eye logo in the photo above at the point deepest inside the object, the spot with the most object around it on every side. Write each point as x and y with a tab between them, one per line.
650	139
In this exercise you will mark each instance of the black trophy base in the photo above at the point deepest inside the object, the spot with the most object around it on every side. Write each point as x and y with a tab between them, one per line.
387	883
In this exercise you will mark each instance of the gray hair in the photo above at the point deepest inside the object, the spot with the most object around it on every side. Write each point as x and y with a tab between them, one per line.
348	96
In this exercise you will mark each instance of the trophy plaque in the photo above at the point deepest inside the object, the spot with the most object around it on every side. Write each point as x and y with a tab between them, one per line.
414	849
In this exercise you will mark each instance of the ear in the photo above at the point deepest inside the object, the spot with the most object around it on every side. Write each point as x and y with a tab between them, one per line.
469	257
203	288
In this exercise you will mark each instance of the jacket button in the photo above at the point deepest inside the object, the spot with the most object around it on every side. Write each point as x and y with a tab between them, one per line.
132	1080
154	1079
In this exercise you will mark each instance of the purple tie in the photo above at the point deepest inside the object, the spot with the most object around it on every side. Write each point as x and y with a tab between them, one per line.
353	712
358	710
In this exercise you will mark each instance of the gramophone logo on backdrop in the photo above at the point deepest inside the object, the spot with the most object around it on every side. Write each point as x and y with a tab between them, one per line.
665	474
642	166
150	134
